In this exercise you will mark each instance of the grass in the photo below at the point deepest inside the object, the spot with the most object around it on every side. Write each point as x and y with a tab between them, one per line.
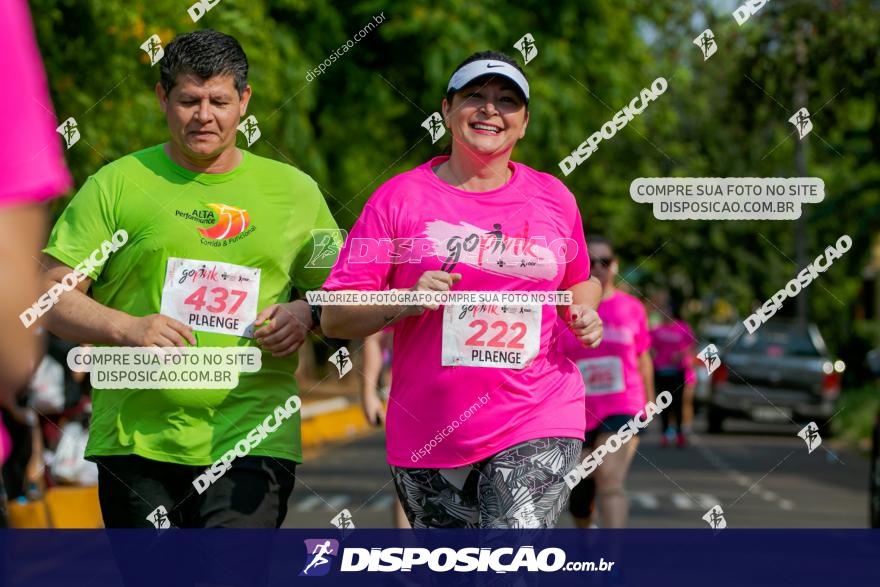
857	410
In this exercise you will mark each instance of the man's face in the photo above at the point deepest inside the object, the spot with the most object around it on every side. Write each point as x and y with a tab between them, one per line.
203	115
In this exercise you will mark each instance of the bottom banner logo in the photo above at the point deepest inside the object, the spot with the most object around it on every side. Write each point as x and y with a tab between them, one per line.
320	552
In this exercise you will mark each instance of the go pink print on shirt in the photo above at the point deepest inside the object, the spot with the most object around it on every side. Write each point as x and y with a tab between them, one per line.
493	251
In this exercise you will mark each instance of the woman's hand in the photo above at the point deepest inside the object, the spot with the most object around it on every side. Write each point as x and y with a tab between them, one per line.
432	281
374	409
585	324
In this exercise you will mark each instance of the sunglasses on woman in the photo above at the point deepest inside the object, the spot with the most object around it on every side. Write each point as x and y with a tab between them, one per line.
604	261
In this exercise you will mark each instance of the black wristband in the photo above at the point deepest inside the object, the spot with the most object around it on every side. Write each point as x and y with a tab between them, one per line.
316	317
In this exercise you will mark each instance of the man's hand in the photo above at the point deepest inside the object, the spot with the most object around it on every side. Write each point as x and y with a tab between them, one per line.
432	281
157	330
287	328
585	324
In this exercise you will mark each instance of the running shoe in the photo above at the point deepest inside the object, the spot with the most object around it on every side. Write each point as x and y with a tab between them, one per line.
680	440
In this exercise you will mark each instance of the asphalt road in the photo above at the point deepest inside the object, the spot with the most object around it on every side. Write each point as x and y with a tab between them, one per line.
762	476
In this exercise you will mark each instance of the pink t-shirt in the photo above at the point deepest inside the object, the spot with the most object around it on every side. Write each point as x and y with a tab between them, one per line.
671	343
610	372
31	162
469	382
5	444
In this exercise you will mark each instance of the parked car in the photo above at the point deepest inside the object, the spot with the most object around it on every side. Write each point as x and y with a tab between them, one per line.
874	480
717	334
781	372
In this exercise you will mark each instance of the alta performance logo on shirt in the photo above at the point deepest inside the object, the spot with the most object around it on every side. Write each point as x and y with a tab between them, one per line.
230	224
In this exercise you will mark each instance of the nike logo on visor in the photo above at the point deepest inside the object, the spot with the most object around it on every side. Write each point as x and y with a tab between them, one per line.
490	66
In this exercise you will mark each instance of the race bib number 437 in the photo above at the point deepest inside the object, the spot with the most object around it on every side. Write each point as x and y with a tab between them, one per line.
211	296
503	337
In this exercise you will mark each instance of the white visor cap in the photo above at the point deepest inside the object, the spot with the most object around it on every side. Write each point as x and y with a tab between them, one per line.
471	71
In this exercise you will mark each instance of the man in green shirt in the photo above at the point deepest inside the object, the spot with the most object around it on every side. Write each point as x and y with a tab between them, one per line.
216	238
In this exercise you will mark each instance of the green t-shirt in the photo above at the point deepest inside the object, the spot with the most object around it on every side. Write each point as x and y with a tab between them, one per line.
260	216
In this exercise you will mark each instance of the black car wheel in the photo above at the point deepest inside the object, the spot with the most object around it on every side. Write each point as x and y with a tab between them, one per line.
825	429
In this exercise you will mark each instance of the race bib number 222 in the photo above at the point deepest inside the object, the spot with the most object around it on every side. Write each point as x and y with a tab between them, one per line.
503	337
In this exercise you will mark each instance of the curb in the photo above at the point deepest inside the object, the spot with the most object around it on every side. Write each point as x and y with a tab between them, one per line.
331	420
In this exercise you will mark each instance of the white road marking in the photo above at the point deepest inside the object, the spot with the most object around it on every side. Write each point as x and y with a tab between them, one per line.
706	500
383	502
309	503
336	502
645	500
682	501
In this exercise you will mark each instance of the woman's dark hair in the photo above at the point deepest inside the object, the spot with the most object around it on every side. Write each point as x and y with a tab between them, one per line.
597	239
482	55
205	53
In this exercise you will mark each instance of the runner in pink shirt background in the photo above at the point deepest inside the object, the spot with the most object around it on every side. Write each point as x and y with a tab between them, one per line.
618	382
672	344
485	416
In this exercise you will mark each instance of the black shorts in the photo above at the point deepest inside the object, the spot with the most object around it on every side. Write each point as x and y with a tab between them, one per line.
251	494
610	424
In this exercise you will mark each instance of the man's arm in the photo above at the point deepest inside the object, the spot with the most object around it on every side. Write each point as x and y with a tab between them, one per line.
79	318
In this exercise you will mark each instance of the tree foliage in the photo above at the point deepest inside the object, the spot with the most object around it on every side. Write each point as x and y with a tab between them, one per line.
358	123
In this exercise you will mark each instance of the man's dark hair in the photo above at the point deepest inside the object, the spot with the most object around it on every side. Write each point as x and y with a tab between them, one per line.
494	55
205	53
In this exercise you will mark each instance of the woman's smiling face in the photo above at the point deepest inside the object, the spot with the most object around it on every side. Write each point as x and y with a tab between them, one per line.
487	117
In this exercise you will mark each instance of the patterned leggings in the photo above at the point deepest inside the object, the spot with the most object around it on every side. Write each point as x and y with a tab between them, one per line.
521	487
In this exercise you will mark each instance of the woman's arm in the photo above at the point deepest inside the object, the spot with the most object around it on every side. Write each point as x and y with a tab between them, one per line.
581	316
585	293
646	370
361	321
370	401
350	322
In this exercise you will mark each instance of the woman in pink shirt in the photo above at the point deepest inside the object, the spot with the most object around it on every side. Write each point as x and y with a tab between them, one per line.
672	342
485	416
618	381
33	171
